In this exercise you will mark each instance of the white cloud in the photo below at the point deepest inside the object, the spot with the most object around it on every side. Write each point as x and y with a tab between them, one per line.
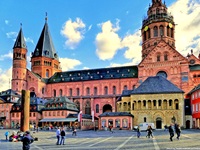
73	31
5	79
187	17
6	22
90	27
108	41
68	64
11	35
9	55
132	43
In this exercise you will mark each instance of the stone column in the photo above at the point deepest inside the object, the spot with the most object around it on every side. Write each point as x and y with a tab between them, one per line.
25	112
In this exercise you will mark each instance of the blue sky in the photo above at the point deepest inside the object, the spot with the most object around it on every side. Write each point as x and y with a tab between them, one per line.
90	34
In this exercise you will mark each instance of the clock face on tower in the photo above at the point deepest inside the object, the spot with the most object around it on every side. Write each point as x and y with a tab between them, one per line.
192	61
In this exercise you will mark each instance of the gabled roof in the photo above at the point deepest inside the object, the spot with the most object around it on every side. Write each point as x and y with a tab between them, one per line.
156	85
153	49
20	41
108	114
95	74
45	46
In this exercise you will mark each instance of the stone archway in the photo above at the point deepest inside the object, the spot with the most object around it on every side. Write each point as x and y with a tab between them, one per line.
158	123
188	124
107	108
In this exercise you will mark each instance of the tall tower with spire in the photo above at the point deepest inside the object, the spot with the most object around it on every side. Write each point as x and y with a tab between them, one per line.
19	81
158	24
44	60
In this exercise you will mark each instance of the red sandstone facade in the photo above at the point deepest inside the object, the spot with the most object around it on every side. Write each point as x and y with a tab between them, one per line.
159	56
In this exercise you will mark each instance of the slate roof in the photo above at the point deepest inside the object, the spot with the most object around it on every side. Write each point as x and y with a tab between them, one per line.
95	74
84	116
155	85
45	46
66	104
20	41
109	114
9	96
194	67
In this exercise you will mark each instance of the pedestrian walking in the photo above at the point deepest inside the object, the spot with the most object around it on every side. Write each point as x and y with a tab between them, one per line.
111	129
58	136
138	132
62	133
7	134
178	131
27	140
171	132
73	131
149	132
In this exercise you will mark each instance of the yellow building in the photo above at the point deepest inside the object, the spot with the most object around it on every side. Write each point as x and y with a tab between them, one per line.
156	100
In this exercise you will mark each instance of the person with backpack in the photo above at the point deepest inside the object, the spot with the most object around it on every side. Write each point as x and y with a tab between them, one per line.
27	140
62	133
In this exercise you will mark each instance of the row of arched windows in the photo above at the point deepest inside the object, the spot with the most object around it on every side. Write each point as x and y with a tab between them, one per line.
158	32
88	91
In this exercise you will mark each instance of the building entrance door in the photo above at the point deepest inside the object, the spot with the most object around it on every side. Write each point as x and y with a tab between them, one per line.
188	124
159	123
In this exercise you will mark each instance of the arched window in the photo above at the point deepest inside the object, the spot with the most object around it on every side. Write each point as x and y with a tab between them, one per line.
54	93
168	31
172	32
77	91
157	11
144	103
158	57
61	92
114	89
47	73
165	57
97	108
161	30
149	33
87	108
88	91
106	90
125	87
78	105
42	90
95	91
145	35
70	92
155	29
145	119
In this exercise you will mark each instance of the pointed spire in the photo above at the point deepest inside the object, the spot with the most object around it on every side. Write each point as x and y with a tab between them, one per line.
45	46
46	18
20	41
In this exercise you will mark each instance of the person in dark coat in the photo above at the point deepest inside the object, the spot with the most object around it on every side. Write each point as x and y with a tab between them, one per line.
178	131
138	132
62	133
27	140
149	132
171	132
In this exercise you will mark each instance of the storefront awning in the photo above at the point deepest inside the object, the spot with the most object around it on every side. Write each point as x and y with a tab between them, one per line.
58	120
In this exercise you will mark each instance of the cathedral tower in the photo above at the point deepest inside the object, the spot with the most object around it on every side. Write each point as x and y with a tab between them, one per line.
157	25
44	60
19	81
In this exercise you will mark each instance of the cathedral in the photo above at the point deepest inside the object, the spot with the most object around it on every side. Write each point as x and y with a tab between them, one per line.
117	89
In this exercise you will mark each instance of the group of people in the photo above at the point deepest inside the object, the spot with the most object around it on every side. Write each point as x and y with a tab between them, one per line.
172	129
60	134
149	132
24	137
